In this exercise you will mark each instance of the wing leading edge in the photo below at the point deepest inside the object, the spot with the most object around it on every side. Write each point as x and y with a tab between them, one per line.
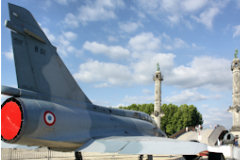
143	145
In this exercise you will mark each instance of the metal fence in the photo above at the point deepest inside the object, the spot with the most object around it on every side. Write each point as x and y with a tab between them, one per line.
26	154
45	154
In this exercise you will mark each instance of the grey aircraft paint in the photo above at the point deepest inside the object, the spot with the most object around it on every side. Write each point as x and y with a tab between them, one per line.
57	114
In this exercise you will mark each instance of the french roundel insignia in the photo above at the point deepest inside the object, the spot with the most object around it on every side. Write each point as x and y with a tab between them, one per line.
49	118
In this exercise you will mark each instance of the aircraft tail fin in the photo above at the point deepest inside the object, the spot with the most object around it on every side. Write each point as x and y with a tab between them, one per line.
38	66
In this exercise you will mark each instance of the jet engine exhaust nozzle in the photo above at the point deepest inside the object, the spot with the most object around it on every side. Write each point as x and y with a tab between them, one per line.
11	119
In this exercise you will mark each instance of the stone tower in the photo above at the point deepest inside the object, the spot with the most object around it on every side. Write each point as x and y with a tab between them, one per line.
157	103
235	108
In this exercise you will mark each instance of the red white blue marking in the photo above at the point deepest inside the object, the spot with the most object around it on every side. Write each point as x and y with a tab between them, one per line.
49	118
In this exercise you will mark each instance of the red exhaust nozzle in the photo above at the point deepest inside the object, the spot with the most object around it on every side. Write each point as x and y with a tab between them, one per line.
11	119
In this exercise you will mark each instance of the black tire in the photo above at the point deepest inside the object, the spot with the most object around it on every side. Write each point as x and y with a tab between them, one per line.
140	157
150	157
78	156
217	156
191	157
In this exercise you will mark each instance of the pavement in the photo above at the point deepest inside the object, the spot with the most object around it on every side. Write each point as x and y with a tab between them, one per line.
45	154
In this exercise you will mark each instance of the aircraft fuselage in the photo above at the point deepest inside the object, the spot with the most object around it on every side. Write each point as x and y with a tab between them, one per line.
52	124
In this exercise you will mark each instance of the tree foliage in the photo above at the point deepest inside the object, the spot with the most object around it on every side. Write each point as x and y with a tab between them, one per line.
175	117
147	108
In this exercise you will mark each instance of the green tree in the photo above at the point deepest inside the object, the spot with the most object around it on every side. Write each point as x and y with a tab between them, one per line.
175	118
147	108
167	120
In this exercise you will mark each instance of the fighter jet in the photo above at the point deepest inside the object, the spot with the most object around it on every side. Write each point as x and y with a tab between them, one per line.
49	109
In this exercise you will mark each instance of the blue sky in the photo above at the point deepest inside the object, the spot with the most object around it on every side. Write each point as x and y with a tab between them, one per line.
112	47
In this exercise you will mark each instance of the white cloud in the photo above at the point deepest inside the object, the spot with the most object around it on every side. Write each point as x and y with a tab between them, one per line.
147	91
93	11
238	3
71	21
103	73
96	12
144	42
179	11
129	26
236	31
179	43
64	2
185	97
114	52
70	35
65	48
174	19
205	71
63	42
46	4
149	5
162	8
102	85
147	42
191	6
50	36
194	45
112	39
215	115
8	54
208	16
109	74
172	43
202	71
145	66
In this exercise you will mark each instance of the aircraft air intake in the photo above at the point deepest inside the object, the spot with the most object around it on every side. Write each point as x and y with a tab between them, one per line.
11	119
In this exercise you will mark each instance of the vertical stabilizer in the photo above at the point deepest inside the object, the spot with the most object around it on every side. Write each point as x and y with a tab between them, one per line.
38	66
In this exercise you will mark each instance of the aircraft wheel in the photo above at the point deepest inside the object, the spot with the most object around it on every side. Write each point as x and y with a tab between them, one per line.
78	156
150	157
218	156
140	157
